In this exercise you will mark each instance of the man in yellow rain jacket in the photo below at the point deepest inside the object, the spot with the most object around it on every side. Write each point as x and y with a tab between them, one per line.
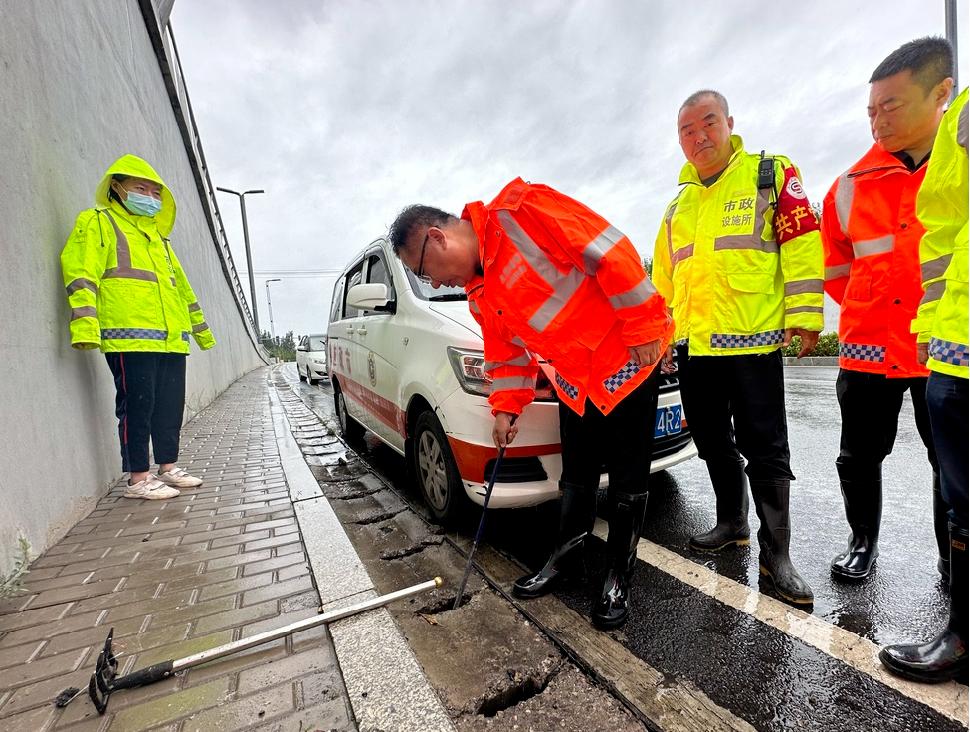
739	259
942	340
129	296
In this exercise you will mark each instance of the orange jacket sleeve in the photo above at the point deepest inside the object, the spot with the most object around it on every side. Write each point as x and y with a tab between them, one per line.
837	246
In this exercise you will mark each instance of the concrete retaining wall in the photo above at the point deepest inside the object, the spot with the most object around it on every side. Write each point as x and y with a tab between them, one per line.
81	84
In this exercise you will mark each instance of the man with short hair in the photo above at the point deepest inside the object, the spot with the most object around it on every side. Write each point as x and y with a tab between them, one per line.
871	237
941	325
738	257
548	277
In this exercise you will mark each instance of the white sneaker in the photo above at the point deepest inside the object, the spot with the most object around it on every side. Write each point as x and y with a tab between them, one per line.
178	478
151	489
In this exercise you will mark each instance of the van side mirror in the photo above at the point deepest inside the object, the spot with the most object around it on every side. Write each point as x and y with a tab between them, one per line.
370	296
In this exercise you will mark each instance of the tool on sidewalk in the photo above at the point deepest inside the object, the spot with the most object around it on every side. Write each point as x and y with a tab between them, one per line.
481	526
104	680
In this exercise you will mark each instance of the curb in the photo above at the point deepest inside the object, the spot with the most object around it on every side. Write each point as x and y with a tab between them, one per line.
386	686
831	361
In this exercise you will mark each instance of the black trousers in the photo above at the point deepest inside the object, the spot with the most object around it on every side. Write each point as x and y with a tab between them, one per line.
947	399
623	439
735	405
149	404
870	405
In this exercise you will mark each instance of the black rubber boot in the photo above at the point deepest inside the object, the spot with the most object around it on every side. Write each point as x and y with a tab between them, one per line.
771	502
626	521
862	495
731	492
941	520
944	657
577	511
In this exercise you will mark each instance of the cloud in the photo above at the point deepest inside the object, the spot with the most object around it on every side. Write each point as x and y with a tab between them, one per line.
347	112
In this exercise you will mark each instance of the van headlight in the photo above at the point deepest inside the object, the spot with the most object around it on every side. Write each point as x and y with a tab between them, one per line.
469	368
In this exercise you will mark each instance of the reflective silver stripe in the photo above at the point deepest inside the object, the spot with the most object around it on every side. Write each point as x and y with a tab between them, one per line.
636	295
949	351
804	309
594	252
185	336
668	223
194	307
962	127
173	281
123	253
868	247
752	240
843	201
85	312
524	360
681	254
839	270
199	327
935	267
933	292
516	341
805	287
472	305
130	274
513	382
745	241
563	286
82	284
148	334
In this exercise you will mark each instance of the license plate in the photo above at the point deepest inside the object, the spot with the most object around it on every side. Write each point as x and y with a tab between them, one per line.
668	421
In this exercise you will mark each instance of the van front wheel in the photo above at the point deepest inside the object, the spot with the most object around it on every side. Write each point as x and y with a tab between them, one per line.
436	471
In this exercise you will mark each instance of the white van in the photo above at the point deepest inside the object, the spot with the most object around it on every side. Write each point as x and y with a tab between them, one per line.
311	358
407	363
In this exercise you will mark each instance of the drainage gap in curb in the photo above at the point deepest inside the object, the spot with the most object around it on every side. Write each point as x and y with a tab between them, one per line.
443	603
522	689
391	554
378	517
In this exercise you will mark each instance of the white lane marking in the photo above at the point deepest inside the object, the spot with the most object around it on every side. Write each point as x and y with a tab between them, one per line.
949	699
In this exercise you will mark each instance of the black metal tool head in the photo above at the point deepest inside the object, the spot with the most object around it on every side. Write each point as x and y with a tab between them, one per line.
99	688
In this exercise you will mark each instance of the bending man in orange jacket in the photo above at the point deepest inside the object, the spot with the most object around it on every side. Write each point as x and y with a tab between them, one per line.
547	276
871	237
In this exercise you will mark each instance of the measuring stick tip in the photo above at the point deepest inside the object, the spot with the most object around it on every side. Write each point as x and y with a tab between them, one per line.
438	582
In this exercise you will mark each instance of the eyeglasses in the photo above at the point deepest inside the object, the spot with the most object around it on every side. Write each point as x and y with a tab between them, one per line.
420	271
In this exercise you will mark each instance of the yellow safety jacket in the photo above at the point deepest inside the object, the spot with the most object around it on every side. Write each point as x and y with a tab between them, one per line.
941	205
738	264
126	288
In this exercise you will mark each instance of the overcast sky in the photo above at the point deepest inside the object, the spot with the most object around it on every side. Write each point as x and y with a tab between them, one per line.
346	112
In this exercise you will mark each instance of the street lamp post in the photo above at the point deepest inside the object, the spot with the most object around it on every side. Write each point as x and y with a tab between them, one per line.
269	304
249	256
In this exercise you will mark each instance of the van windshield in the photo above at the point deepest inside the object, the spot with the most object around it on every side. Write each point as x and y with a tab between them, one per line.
427	292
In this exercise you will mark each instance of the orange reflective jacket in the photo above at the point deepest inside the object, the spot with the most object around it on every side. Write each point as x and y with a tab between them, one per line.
562	283
871	237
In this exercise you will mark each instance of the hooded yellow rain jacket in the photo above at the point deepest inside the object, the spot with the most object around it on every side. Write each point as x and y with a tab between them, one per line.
126	288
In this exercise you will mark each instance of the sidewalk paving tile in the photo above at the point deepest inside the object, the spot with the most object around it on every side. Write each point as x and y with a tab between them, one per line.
176	577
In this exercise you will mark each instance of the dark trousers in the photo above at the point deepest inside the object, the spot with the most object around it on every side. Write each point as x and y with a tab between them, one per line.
623	439
870	405
149	403
946	398
735	405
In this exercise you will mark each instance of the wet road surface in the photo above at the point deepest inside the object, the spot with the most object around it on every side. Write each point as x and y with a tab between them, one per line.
779	682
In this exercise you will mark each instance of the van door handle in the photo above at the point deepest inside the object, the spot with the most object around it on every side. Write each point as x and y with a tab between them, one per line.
362	331
350	330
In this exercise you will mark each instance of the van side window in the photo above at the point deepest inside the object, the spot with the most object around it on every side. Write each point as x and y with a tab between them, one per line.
377	273
354	277
338	299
